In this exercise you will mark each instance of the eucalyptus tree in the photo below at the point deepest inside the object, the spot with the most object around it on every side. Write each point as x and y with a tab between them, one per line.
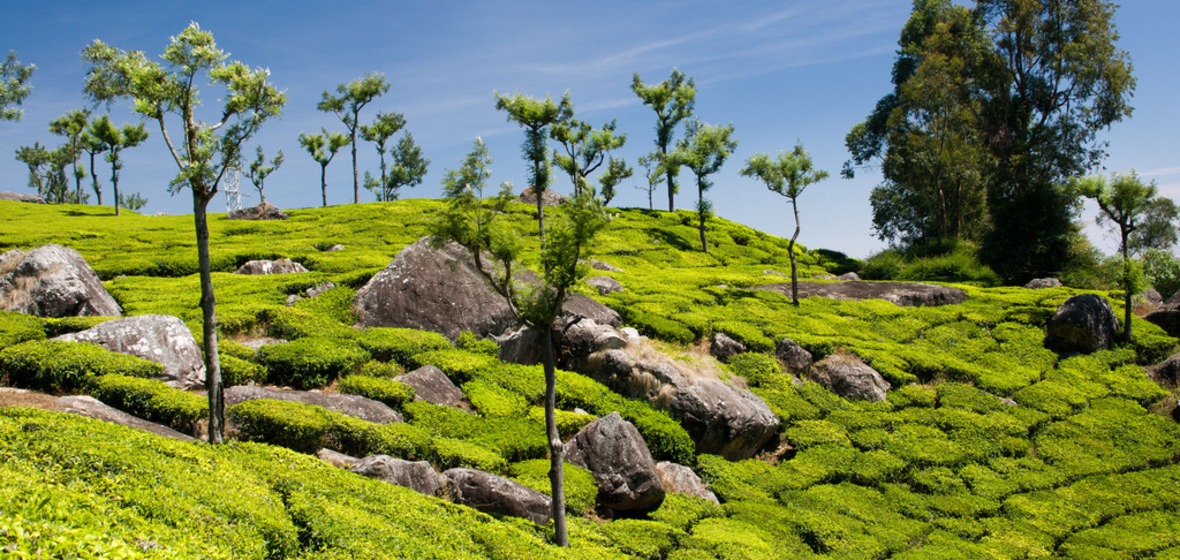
205	151
347	105
673	100
322	148
787	175
382	129
407	167
703	150
536	116
72	126
260	169
14	86
476	223
115	140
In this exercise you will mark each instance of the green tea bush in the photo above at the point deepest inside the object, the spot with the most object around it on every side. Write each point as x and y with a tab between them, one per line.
382	370
19	327
57	326
388	391
54	366
756	368
749	480
360	438
468	341
399	345
449	453
493	400
297	426
236	371
752	337
230	347
810	433
660	328
514	438
581	490
151	400
309	363
568	423
292	323
682	511
642	538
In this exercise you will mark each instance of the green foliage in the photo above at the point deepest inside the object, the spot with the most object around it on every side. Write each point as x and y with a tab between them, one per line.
303	428
63	367
383	370
468	341
380	389
568	423
660	328
236	371
943	261
683	511
643	539
757	369
494	401
151	400
581	490
57	326
310	363
19	327
399	345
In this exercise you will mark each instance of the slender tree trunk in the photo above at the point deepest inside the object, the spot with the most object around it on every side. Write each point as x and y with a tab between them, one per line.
671	184
1126	291
356	187
94	180
791	252
556	449
701	217
209	323
540	216
324	183
115	184
77	180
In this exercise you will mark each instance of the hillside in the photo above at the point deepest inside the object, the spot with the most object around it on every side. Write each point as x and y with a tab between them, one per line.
988	445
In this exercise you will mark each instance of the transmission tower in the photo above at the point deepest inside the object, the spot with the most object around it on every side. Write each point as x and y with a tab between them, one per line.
233	190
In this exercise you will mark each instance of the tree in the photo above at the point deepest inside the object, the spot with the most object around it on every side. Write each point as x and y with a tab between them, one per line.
14	86
475	223
323	147
47	171
93	147
616	170
1124	201
115	140
704	149
585	149
260	169
653	172
72	125
1158	228
132	201
382	129
535	116
407	169
673	100
347	106
205	151
788	175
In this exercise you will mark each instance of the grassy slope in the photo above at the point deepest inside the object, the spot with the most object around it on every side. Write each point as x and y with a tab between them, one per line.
943	469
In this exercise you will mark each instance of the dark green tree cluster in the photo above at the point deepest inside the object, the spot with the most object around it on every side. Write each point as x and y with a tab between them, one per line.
14	86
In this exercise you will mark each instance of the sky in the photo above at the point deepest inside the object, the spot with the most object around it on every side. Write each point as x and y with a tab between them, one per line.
780	72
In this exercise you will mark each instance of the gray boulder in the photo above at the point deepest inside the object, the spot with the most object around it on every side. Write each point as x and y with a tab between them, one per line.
905	294
724	347
336	458
549	198
163	339
607	267
1153	297
724	420
496	495
1042	283
680	479
53	281
433	386
93	408
849	277
614	452
1167	373
351	405
263	211
579	306
261	267
604	284
1083	324
850	378
418	476
1167	316
22	197
794	357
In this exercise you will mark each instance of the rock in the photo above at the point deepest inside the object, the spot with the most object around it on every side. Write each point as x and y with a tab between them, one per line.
351	405
724	347
777	273
22	197
1174	300
163	339
334	248
549	198
496	495
1167	373
54	281
631	334
615	363
281	266
604	284
1167	316
263	211
580	306
93	408
337	459
433	386
257	343
724	420
418	476
310	293
1042	283
905	294
850	378
848	277
521	346
614	452
599	265
584	337
794	357
1153	297
1084	323
680	479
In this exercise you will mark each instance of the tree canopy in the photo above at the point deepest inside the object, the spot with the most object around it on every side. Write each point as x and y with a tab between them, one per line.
347	105
673	100
14	86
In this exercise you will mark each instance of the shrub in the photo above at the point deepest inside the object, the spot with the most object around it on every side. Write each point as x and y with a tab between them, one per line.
360	438
229	347
581	490
399	345
467	341
55	366
392	393
493	400
757	369
449	453
641	538
661	328
810	433
749	335
19	327
57	326
151	400
568	423
236	371
308	363
383	370
301	427
682	511
291	323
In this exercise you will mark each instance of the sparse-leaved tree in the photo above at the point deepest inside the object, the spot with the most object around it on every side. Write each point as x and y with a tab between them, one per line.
382	129
585	149
322	148
116	140
260	169
72	126
347	105
14	86
47	171
535	116
673	100
704	150
407	167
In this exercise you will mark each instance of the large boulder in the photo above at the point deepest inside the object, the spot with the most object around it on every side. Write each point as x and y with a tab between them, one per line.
796	358
163	339
850	378
1167	373
905	294
337	459
724	347
614	452
1085	323
22	197
578	306
351	405
263	211
1167	316
722	419
680	479
53	281
280	266
93	408
433	386
496	495
418	476
548	198
1042	283
604	284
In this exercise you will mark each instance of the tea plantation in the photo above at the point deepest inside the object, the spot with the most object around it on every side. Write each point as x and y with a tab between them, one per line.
988	446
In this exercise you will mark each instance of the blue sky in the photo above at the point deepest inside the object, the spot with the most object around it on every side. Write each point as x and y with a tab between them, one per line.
781	72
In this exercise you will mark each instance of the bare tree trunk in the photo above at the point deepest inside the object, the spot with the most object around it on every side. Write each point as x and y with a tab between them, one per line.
356	187
791	252
671	184
209	323
556	449
94	180
1127	315
701	216
324	183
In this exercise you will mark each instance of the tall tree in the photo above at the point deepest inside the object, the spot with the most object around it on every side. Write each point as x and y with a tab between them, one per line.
653	173
1158	228
205	151
382	129
704	149
585	149
407	167
535	116
322	148
616	170
475	223
347	105
1124	201
72	125
788	175
117	139
47	171
260	169
673	100
93	147
14	86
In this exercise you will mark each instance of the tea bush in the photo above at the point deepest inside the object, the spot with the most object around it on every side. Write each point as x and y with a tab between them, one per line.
392	393
309	363
54	366
151	400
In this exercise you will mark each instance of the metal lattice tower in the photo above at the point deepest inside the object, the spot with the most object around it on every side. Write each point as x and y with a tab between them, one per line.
233	190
